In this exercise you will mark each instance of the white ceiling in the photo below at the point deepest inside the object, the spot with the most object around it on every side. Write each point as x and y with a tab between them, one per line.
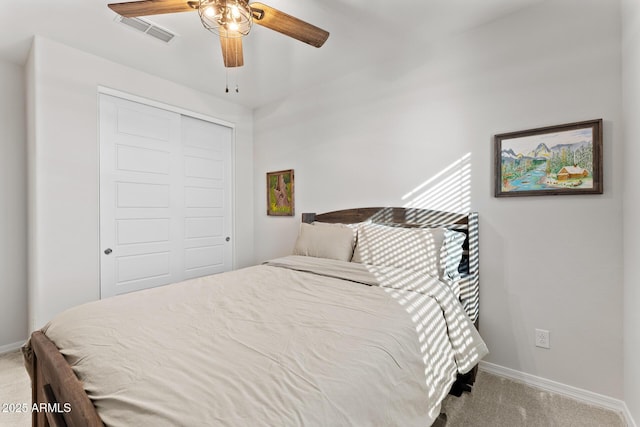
363	32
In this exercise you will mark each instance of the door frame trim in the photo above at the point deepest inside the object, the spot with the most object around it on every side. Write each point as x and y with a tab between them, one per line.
104	90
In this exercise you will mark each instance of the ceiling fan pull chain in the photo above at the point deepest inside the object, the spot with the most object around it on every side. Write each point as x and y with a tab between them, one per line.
226	88
235	72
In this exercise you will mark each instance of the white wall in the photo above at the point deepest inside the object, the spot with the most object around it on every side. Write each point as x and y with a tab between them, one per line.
384	135
63	157
13	207
631	205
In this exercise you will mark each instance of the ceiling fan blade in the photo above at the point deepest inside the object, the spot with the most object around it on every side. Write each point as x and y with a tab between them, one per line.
288	25
231	49
152	7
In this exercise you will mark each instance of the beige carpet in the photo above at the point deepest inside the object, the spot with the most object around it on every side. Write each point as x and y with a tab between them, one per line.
500	402
495	402
15	389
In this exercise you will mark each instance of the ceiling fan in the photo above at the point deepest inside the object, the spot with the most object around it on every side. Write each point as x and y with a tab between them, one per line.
230	19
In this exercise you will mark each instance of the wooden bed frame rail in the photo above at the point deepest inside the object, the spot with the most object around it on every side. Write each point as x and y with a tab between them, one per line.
56	392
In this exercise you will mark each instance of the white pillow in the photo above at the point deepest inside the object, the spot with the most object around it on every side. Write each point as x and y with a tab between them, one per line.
437	251
333	241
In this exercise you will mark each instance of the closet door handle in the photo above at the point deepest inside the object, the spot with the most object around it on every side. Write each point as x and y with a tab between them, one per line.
227	239
107	251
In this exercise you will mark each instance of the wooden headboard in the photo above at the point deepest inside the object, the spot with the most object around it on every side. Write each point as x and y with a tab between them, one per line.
421	218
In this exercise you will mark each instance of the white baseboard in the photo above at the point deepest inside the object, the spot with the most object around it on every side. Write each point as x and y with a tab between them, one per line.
11	347
579	394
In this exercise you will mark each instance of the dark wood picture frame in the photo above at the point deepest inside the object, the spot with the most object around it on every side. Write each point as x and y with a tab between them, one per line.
549	161
280	193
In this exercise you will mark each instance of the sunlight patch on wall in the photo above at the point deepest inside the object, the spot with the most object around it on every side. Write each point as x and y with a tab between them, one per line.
448	190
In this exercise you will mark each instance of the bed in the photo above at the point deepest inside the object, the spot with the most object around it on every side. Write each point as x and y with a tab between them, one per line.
369	322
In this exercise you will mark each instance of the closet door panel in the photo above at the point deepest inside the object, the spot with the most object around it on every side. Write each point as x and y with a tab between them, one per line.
207	177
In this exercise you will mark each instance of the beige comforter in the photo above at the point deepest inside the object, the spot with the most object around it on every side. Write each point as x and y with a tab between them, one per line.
288	343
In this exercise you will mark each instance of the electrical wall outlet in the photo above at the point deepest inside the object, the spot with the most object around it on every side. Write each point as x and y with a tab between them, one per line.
542	338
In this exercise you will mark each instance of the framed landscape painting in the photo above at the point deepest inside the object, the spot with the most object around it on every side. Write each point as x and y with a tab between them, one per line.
280	201
555	160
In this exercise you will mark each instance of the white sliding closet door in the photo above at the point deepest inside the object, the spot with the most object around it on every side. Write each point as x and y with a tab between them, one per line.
207	197
165	197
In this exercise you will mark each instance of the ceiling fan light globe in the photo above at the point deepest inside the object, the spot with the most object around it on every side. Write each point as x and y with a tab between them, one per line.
230	18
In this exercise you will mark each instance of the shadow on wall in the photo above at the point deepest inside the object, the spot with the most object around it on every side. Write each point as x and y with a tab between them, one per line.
449	190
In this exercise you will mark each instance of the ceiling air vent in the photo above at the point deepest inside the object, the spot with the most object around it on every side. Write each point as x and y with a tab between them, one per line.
147	27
